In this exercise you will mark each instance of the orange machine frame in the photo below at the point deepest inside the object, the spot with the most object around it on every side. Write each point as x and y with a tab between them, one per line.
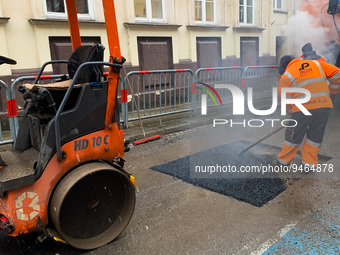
113	42
25	206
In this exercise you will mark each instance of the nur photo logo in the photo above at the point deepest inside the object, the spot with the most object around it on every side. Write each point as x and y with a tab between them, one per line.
204	96
241	98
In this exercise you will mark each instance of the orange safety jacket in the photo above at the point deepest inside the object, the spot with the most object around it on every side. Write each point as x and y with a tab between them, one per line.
317	57
314	76
333	88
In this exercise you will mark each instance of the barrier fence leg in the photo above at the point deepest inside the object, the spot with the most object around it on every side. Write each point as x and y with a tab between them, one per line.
1	139
193	98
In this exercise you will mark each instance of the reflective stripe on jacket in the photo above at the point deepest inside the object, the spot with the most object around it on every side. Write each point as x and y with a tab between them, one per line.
311	75
334	85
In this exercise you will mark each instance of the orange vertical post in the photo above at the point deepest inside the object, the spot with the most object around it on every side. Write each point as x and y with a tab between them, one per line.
73	23
114	49
111	28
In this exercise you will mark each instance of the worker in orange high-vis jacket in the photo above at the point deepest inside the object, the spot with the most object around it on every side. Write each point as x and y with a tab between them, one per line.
314	76
309	54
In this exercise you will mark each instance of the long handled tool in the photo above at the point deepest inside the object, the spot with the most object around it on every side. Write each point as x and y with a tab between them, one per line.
146	139
263	138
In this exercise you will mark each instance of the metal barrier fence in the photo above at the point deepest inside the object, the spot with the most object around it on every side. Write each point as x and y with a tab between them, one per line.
217	75
120	96
12	105
13	113
261	79
163	92
10	120
156	93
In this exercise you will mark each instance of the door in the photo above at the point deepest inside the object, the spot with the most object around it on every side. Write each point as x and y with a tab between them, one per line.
155	53
280	40
209	52
61	49
249	51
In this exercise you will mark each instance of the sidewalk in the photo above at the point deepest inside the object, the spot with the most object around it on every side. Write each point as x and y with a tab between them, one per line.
178	122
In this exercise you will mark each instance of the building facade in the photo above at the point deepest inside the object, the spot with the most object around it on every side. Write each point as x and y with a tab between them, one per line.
154	34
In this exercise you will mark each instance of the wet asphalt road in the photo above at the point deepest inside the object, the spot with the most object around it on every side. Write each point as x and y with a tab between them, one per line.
175	217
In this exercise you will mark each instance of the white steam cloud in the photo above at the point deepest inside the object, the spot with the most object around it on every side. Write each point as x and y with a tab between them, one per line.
304	28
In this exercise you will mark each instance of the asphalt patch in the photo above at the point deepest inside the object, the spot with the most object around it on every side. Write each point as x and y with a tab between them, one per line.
252	190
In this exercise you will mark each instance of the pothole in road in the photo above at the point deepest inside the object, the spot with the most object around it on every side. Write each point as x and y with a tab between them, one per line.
255	188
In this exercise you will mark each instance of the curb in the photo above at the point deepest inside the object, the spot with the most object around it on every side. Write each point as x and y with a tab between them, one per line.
168	130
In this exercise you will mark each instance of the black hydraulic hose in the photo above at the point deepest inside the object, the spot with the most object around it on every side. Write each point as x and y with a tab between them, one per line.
336	27
323	25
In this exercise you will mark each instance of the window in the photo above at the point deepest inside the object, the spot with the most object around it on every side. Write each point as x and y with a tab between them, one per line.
149	10
204	11
277	5
57	9
246	12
